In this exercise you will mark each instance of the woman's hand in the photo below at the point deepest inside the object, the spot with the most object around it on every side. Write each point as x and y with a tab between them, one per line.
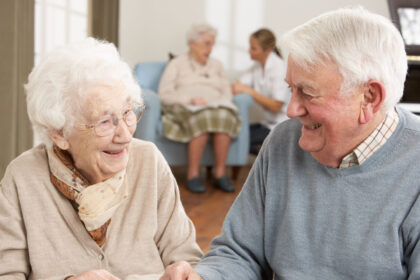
98	274
198	101
238	87
180	271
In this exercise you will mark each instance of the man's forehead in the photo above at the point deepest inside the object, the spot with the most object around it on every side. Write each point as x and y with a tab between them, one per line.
308	76
299	77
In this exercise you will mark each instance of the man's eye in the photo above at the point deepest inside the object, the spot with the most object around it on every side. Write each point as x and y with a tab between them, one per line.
307	96
304	94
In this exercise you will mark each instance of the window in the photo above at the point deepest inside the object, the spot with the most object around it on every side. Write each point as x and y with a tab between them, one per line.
234	24
58	22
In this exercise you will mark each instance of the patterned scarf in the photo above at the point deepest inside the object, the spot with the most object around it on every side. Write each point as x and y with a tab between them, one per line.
95	203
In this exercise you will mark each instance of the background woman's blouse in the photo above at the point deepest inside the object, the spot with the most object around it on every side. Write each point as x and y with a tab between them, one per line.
269	81
185	79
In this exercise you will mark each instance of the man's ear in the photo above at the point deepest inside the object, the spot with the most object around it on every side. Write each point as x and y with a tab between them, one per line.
373	97
57	137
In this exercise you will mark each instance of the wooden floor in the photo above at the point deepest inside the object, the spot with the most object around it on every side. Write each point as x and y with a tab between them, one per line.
208	210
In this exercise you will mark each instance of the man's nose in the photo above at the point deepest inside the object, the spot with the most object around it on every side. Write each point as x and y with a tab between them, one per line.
295	108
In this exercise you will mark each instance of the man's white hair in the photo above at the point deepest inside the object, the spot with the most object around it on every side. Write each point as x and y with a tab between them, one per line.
58	85
363	45
196	31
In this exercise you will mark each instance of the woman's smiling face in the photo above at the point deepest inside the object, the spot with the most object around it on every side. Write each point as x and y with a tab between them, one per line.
101	157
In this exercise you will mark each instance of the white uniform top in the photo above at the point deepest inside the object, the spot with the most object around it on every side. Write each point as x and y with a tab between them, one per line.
270	83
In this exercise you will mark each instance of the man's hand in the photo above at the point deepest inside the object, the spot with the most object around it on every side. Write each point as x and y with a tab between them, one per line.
180	271
99	274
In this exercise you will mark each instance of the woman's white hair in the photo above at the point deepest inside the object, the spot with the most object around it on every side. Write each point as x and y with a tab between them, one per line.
58	85
363	45
197	30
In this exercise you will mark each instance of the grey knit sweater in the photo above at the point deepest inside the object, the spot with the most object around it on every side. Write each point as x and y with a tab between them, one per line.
299	219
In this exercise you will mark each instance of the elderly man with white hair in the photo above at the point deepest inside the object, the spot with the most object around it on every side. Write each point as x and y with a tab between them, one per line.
89	202
334	193
197	105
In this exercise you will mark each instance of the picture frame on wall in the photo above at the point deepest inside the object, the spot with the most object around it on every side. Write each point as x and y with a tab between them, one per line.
406	16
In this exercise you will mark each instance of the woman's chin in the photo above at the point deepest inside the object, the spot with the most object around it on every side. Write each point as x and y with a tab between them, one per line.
112	166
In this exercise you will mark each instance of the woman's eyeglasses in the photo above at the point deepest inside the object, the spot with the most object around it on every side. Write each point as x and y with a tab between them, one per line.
106	126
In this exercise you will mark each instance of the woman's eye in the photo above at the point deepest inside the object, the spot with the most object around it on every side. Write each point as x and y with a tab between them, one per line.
105	121
127	112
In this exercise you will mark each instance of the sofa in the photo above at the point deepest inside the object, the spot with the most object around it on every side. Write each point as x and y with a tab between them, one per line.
150	126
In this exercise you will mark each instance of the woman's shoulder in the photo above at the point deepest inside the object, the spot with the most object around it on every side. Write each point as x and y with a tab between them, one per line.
178	63
146	161
139	146
141	151
25	172
179	59
215	61
276	61
30	161
275	65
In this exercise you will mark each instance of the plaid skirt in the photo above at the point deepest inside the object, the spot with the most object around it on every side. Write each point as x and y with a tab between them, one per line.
182	125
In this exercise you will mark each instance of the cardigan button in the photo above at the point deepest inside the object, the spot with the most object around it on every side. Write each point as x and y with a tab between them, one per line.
101	257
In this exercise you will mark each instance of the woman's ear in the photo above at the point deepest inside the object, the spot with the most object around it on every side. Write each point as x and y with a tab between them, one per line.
57	137
373	98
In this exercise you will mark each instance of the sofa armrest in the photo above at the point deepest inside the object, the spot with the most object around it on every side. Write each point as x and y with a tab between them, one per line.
243	101
240	150
151	122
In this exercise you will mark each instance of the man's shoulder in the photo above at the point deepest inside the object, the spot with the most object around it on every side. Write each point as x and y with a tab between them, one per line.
287	128
284	136
411	121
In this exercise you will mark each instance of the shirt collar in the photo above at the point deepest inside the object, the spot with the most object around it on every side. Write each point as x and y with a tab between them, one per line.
373	142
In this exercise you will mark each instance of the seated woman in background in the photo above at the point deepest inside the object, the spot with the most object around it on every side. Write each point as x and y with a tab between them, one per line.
90	202
265	83
197	102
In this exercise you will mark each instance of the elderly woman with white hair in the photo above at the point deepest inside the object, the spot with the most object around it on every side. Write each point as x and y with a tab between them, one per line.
197	103
89	202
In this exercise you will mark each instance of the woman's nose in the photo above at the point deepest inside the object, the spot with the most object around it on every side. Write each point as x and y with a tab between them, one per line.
123	132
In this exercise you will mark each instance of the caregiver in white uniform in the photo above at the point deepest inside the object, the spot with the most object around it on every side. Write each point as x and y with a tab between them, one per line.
265	83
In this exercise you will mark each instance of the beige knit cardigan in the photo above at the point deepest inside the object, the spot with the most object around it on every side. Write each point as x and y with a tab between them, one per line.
185	79
42	237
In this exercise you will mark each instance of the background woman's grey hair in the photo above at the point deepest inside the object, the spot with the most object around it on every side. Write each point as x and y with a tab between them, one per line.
363	45
57	86
197	30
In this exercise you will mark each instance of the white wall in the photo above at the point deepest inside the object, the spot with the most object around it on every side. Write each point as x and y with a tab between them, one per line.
149	29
